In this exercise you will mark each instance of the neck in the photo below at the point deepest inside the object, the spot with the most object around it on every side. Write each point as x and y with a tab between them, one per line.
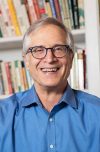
49	97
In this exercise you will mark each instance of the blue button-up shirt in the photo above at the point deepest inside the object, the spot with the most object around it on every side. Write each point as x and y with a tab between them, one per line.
73	125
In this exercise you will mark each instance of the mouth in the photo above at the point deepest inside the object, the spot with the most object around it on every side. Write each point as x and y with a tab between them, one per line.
49	69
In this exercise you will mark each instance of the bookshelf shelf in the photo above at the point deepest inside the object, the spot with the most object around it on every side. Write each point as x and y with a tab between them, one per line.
11	43
16	42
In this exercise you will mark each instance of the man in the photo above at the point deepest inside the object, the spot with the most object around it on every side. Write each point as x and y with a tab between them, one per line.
50	116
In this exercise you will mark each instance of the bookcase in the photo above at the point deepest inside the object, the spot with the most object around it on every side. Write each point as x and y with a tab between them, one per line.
88	38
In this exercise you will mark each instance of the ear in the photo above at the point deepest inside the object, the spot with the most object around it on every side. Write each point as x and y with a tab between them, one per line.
26	60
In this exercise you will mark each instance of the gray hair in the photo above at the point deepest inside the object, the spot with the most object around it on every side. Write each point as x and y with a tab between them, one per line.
47	21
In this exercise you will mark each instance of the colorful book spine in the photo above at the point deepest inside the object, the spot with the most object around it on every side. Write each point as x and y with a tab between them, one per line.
10	89
37	10
52	5
31	11
48	8
21	16
42	8
58	11
14	17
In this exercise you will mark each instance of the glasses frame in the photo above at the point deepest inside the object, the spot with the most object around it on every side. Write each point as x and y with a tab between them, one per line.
68	49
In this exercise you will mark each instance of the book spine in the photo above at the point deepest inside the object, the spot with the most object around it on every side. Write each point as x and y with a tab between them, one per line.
36	7
10	24
1	35
81	13
68	14
22	16
52	5
80	69
57	8
75	13
48	8
4	76
31	10
14	17
1	81
17	72
8	78
24	76
2	24
13	76
42	8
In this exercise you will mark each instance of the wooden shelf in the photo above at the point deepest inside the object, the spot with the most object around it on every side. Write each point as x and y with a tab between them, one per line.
16	42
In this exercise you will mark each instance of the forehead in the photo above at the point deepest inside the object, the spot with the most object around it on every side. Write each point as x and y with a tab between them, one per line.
47	34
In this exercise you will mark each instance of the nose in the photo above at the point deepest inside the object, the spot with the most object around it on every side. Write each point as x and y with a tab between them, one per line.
50	57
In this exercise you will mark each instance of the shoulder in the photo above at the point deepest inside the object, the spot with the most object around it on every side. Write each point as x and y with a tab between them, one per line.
11	103
87	98
89	104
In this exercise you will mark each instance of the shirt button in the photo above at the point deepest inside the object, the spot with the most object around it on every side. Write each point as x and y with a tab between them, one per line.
50	119
51	146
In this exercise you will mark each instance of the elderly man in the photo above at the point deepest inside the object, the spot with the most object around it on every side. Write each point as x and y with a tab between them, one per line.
49	117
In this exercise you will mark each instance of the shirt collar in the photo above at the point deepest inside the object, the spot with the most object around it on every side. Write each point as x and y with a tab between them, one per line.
69	97
31	97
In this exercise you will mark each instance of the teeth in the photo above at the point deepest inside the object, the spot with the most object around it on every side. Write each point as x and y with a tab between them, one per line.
49	69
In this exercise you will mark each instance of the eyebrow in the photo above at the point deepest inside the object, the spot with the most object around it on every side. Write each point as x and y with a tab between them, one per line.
57	44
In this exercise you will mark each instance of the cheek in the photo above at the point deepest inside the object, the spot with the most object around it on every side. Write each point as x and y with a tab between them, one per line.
33	66
67	63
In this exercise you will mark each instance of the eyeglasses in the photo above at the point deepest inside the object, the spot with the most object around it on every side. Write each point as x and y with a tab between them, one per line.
40	52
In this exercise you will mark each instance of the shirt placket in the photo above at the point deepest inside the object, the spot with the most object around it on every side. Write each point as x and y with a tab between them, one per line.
51	134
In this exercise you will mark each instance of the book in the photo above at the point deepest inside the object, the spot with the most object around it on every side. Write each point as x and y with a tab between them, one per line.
31	11
81	13
10	89
53	9
25	81
75	13
58	11
2	24
80	68
1	33
21	16
4	76
48	8
42	8
1	81
65	13
5	18
74	74
14	17
9	20
13	76
37	10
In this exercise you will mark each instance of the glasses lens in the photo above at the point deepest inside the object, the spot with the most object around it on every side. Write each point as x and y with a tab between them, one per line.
38	52
60	51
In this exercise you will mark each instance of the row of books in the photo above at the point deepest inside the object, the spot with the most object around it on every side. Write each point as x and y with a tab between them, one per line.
17	15
14	77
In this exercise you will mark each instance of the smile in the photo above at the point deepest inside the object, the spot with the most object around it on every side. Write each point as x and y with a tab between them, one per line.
49	69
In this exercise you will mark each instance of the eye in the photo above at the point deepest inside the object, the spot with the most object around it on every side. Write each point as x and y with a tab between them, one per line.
59	48
40	49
